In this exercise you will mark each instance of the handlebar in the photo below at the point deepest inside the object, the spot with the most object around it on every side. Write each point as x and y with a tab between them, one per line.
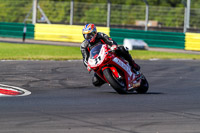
110	51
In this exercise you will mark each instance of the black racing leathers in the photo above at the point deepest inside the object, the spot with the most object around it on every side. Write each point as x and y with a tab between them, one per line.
101	38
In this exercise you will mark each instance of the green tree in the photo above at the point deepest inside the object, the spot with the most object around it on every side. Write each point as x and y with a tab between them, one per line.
57	12
14	11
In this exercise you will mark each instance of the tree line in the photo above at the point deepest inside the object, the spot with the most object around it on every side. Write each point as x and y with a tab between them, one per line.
169	13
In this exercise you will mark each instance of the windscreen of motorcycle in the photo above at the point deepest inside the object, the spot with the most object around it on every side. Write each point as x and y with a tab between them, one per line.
97	55
95	51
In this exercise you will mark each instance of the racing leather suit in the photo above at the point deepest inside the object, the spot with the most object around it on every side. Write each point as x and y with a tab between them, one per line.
102	38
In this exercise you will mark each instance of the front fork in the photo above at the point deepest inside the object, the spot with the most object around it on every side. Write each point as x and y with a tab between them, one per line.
114	71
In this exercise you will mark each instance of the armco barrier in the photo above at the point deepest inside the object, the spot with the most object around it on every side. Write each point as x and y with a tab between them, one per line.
152	38
192	41
68	33
15	30
73	33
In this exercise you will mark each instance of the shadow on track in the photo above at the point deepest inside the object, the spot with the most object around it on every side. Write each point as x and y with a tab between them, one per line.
135	93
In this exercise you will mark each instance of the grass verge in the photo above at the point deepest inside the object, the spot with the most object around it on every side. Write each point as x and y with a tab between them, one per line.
144	55
13	51
10	51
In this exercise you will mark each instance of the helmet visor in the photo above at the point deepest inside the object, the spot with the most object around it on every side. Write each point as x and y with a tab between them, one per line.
89	36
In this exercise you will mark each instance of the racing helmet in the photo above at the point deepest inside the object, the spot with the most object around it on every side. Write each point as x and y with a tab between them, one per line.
89	32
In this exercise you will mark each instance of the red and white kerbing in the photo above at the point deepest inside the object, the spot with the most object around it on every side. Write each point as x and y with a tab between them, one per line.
8	91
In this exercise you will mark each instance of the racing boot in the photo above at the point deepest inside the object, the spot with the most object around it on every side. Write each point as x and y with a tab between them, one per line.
136	70
125	54
135	66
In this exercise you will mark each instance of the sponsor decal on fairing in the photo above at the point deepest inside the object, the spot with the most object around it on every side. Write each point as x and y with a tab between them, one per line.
124	66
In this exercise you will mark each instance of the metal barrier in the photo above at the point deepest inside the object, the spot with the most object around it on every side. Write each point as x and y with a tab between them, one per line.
72	33
15	30
57	32
152	38
192	41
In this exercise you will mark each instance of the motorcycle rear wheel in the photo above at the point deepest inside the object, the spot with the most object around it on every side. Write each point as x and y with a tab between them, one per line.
117	84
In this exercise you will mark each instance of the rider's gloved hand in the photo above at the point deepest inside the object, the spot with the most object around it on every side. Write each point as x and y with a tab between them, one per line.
113	47
89	68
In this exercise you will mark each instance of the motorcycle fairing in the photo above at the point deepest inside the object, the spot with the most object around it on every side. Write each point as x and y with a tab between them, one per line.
104	60
123	65
127	71
97	60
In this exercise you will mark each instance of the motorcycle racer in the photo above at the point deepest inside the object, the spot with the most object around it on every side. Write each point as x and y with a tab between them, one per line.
92	39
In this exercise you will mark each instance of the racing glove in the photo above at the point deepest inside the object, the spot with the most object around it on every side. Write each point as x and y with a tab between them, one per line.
113	47
89	69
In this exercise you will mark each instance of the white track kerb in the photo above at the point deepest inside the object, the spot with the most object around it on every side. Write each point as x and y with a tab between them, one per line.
10	91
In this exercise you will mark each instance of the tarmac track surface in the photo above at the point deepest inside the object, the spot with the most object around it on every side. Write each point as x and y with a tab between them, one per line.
63	99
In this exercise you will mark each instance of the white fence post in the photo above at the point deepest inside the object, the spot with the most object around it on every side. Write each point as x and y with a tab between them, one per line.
147	15
71	12
34	17
188	13
108	13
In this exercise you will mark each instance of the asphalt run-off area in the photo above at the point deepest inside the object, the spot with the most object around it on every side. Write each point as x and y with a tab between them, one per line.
62	99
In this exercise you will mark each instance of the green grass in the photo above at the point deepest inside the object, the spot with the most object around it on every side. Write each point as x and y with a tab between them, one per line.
9	51
143	55
13	51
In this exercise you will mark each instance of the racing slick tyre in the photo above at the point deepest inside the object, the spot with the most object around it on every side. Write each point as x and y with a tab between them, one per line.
143	87
117	84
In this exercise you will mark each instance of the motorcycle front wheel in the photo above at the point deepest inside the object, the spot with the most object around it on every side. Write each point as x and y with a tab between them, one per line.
143	87
117	83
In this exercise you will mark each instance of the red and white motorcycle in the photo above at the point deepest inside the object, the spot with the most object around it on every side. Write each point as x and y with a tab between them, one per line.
116	71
